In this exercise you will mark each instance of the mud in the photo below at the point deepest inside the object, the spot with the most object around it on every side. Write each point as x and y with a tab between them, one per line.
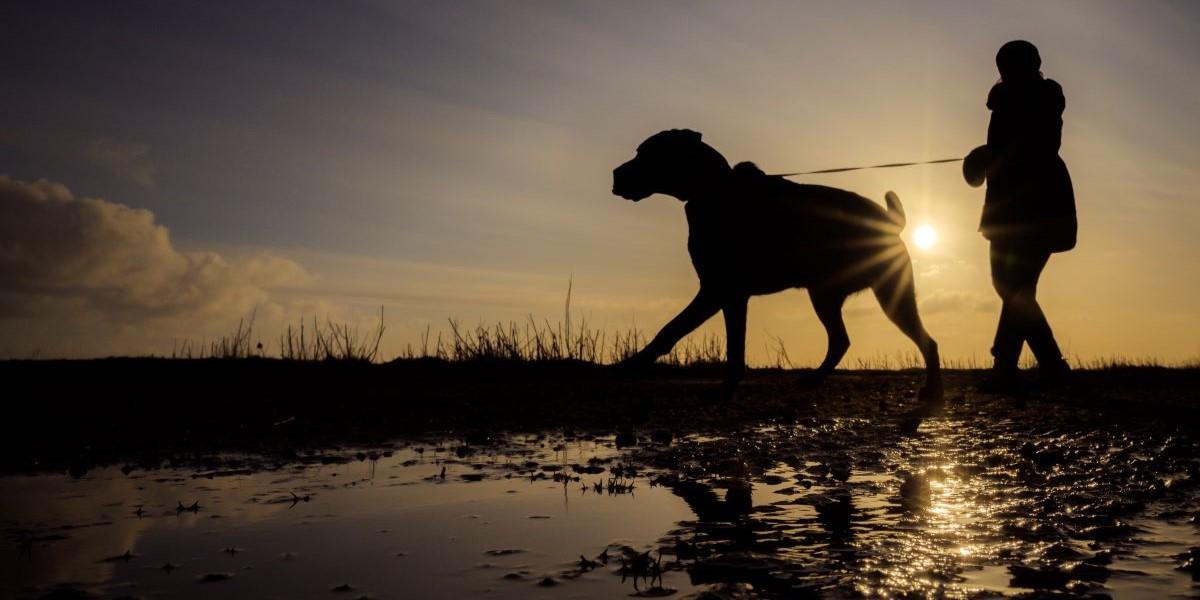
846	492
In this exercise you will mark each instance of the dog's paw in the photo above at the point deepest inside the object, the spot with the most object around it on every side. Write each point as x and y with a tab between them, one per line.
931	394
637	361
930	403
909	423
720	395
810	381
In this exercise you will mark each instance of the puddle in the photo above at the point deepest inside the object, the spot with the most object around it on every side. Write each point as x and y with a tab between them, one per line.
386	528
979	501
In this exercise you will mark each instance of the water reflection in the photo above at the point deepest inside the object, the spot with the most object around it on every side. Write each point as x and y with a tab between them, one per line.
976	501
954	506
424	521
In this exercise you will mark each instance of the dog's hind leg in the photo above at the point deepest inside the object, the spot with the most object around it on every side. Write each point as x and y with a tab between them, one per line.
701	309
898	298
734	309
829	310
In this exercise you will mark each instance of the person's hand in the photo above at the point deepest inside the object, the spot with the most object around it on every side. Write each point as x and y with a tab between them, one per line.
976	164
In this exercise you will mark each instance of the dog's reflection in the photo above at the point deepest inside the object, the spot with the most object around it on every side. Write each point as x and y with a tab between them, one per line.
710	507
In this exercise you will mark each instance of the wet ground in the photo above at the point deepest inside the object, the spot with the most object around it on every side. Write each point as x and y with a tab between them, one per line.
857	495
418	520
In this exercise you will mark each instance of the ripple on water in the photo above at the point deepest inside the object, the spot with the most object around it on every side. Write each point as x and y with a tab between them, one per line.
978	501
338	524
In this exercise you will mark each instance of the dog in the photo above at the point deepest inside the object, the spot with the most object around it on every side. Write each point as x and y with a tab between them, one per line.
752	234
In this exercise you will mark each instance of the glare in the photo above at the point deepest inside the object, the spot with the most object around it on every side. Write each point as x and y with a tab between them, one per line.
925	237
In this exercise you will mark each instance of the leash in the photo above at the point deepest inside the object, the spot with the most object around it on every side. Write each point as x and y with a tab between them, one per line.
885	166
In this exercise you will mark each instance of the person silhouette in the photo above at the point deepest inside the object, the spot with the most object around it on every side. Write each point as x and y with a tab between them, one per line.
1029	207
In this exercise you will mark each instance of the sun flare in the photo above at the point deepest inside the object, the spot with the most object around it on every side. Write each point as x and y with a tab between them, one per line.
925	237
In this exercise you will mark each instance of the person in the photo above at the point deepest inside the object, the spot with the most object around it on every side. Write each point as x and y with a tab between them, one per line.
1028	211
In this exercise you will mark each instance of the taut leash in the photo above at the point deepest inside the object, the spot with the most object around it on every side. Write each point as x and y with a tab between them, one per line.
885	166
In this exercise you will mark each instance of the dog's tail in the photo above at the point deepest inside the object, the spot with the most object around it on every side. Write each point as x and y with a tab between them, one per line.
895	209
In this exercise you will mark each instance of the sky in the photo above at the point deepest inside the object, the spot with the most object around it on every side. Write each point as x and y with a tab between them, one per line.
167	169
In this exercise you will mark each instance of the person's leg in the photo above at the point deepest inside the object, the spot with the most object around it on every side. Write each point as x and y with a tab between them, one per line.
1006	347
1035	328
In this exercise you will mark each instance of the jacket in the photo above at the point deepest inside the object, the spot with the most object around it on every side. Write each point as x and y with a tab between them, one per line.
1029	199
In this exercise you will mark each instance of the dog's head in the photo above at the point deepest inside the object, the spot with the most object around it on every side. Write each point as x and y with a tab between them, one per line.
673	162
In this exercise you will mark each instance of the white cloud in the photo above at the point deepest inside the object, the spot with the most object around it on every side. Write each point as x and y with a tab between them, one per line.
68	257
956	301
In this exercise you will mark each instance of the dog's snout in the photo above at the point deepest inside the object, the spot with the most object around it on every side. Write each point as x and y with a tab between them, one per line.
625	184
621	173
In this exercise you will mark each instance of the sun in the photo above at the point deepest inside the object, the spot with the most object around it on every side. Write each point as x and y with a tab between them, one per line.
925	237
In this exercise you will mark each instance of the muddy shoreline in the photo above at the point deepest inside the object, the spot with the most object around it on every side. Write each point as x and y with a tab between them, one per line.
853	489
75	415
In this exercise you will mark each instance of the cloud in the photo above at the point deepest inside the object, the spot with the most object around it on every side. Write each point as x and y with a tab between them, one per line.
125	160
955	301
59	253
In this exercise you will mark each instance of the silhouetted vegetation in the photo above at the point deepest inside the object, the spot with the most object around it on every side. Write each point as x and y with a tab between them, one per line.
334	341
570	339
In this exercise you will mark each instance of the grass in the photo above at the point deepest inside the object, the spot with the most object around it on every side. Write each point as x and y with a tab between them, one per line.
333	341
567	340
570	339
237	345
532	341
328	341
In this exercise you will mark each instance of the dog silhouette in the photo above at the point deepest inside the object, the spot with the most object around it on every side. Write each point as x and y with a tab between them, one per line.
752	234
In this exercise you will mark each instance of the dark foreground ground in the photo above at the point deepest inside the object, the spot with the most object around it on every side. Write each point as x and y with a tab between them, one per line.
73	415
1088	490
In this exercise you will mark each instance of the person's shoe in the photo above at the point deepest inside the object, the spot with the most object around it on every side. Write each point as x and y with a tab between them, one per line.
1053	373
1001	380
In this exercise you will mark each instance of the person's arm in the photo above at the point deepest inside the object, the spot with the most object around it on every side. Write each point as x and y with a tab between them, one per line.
1053	104
997	134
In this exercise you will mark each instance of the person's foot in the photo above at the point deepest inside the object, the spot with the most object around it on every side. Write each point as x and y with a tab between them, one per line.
1001	380
1053	373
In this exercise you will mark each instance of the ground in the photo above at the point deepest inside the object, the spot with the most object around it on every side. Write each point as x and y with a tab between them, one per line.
851	488
75	414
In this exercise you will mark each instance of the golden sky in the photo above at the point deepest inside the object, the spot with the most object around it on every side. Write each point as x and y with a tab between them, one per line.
454	160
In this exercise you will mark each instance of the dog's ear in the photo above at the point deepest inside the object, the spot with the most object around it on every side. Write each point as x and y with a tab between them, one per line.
747	169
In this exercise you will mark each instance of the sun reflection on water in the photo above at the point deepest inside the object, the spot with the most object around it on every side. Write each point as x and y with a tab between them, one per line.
936	511
957	507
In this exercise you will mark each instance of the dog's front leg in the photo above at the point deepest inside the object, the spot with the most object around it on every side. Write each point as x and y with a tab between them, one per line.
735	340
701	309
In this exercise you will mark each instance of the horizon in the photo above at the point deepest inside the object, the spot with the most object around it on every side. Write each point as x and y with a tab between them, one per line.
171	170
